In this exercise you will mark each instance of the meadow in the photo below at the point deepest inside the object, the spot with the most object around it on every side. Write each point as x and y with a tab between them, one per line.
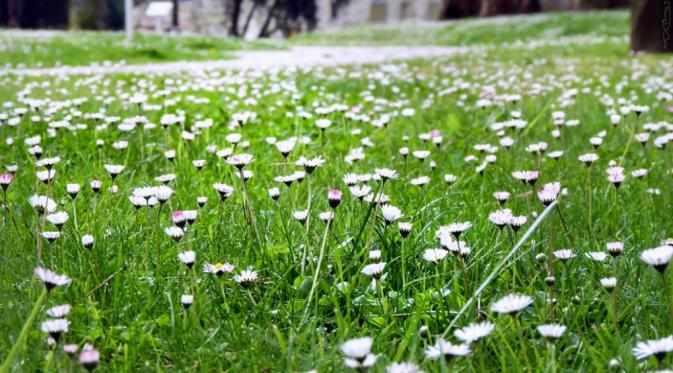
503	209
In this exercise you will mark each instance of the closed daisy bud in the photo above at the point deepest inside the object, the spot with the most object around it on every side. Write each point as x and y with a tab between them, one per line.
609	283
300	216
96	185
51	236
55	327
334	198
224	190
87	241
550	280
73	190
175	233
5	180
89	359
274	193
404	229
114	170
190	216
179	219
187	258
375	256
186	300
615	248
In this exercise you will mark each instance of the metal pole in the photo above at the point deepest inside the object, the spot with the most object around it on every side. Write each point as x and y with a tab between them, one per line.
128	20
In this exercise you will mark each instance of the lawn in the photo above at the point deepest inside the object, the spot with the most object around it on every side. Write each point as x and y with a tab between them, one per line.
504	209
56	48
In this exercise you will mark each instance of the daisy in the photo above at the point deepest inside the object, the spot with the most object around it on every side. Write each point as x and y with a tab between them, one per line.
218	269
96	185
246	277
58	219
358	353
564	254
658	257
201	201
407	367
5	180
501	218
597	256
59	311
420	154
334	198
609	283
174	232
446	349
87	241
163	193
374	270
285	147
615	248
224	190
474	331
240	160
385	173
42	204
390	213
113	169
404	229
455	229
657	347
187	258
434	255
501	197
89	358
300	216
511	304
72	190
450	179
420	181
551	332
529	177
274	193
360	192
588	158
55	327
51	236
310	164
46	176
186	300
326	216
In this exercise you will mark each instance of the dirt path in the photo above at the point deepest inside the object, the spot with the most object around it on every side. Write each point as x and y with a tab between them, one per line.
294	57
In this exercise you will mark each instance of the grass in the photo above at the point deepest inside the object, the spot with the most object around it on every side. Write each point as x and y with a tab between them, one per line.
125	298
54	48
489	31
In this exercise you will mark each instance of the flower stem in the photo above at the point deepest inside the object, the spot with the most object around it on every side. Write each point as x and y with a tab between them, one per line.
6	365
317	272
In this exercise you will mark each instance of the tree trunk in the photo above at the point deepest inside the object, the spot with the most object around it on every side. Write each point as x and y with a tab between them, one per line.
102	13
14	11
176	15
496	7
651	26
453	9
235	14
264	31
249	18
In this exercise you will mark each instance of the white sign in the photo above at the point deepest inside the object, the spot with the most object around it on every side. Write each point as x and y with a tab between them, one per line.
159	9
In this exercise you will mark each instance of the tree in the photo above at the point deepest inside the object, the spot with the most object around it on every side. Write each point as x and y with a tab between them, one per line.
496	7
651	26
176	15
